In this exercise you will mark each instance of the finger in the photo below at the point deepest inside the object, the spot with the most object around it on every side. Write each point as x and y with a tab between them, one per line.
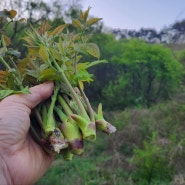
37	94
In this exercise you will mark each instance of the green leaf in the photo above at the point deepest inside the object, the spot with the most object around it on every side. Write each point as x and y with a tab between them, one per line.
60	46
21	66
92	21
76	23
83	76
95	63
58	29
55	54
49	74
84	15
8	92
22	91
5	93
93	50
43	53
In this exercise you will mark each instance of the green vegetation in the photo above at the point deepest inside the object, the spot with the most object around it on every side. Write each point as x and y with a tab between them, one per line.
142	89
139	73
148	149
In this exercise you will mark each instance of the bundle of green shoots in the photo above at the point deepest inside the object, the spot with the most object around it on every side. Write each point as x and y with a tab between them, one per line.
62	123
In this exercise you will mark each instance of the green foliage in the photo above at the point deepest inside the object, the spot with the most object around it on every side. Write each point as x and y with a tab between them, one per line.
111	50
152	163
148	149
147	73
86	171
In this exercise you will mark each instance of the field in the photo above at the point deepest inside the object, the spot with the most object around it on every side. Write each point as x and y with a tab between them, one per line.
148	148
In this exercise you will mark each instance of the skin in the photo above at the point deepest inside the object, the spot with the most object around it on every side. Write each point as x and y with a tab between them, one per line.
22	157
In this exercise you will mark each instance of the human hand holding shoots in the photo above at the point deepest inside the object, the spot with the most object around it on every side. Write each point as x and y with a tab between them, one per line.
25	160
61	123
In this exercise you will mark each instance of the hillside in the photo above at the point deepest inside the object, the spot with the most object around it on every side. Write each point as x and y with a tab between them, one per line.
174	33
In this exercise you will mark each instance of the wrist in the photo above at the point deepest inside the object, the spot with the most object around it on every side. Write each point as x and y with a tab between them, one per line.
5	177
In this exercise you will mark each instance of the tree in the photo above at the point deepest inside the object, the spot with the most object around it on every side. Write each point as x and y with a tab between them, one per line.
148	73
37	11
111	50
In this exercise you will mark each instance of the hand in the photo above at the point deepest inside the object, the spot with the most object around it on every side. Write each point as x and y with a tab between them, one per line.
26	162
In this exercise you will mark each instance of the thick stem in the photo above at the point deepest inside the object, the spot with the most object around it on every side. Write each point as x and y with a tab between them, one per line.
71	132
90	109
4	63
48	120
64	105
75	97
49	124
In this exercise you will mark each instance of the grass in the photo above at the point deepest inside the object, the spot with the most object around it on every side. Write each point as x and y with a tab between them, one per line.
109	161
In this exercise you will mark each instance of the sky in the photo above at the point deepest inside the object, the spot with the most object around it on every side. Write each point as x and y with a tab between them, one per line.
137	14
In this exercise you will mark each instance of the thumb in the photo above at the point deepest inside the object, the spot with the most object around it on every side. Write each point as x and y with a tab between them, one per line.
39	93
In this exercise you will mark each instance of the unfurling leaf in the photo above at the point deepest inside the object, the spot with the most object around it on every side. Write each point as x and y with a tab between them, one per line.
92	21
84	15
90	64
93	50
48	74
76	23
44	27
43	53
60	46
58	30
55	54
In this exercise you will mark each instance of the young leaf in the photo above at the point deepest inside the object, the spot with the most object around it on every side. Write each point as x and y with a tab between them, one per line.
43	53
44	28
76	23
48	74
21	66
5	93
93	50
24	91
60	46
81	15
85	14
58	30
95	63
8	92
82	66
55	54
92	21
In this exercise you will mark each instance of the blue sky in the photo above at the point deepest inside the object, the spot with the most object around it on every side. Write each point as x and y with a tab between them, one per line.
136	14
